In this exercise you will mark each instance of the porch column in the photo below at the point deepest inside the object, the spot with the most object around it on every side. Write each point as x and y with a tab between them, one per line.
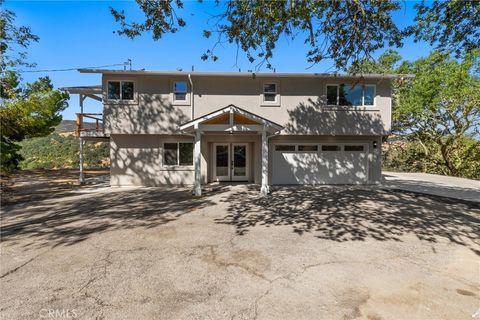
265	189
197	188
81	178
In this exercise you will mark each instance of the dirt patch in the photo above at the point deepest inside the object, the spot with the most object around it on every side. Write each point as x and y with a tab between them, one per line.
31	185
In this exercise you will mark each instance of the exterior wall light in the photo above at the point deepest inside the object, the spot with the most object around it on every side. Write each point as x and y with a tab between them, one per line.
374	144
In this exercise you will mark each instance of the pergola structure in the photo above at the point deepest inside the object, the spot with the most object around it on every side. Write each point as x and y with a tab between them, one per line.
90	133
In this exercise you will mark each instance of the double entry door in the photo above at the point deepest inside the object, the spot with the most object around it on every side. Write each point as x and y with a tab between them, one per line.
230	162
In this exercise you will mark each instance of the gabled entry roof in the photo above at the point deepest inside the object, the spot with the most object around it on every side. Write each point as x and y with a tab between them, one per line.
231	118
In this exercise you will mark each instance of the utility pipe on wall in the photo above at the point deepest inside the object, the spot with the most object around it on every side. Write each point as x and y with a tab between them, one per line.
192	98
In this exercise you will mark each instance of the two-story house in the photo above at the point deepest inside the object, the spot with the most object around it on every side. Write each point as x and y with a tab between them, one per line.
192	128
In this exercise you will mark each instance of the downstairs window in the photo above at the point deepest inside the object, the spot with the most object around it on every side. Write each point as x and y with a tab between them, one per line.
178	154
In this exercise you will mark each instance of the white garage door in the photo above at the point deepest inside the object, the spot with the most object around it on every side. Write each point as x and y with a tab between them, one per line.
344	163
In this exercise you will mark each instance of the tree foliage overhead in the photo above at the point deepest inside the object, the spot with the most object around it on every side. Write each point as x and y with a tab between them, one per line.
453	26
340	30
344	31
387	62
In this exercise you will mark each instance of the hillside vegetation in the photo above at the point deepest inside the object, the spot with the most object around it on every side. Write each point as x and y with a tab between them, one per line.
61	150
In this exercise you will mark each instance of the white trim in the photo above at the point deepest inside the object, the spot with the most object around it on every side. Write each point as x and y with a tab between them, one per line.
121	101
176	166
365	107
247	162
197	162
214	164
265	188
229	109
226	127
277	101
285	144
230	176
187	100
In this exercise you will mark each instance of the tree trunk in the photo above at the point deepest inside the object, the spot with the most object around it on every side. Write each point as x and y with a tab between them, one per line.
447	161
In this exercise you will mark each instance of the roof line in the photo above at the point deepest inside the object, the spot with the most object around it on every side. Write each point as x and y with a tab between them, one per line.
250	74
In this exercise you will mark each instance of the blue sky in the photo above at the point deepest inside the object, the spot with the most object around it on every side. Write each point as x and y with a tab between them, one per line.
80	34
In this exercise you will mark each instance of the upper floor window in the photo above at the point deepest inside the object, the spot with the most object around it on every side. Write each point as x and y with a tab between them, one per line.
270	94
180	91
348	95
121	90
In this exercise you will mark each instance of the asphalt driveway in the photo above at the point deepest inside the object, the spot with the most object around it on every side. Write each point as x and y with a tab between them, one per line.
301	253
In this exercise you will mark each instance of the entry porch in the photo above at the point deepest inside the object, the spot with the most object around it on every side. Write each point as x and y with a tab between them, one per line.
231	144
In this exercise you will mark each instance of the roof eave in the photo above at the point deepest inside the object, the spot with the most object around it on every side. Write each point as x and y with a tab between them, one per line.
250	74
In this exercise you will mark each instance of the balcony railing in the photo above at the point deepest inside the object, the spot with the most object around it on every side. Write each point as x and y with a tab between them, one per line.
92	127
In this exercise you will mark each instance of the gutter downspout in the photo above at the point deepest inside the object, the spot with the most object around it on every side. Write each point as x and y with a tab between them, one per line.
192	97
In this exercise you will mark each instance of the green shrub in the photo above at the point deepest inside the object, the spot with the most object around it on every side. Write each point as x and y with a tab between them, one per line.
62	151
412	156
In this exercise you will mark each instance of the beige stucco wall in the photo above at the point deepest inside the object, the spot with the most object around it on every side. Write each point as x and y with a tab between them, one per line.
300	110
138	159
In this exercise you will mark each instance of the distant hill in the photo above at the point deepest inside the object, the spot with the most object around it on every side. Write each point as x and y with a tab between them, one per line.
69	126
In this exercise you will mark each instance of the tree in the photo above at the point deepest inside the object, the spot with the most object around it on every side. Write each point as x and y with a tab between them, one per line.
453	26
33	112
11	39
24	112
344	31
440	109
340	30
387	62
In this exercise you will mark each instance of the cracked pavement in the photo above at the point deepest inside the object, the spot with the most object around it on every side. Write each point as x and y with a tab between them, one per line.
323	253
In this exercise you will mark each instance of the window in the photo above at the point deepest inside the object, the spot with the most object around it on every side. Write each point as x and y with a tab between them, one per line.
332	95
353	148
186	154
348	95
180	91
270	93
121	90
178	154
368	95
284	147
307	148
331	148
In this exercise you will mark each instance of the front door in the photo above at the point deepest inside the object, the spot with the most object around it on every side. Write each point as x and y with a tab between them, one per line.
230	162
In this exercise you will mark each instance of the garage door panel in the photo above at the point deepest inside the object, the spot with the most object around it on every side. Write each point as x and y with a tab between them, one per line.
330	167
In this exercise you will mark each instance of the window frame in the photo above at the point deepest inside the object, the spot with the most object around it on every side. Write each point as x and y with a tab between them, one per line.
354	145
363	105
339	145
277	101
175	102
122	101
178	165
307	144
285	144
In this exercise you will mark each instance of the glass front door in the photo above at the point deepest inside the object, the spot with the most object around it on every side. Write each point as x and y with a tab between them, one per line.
231	162
239	163
222	162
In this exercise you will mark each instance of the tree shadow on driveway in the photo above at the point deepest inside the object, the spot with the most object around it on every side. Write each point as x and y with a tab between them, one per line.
342	213
68	221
